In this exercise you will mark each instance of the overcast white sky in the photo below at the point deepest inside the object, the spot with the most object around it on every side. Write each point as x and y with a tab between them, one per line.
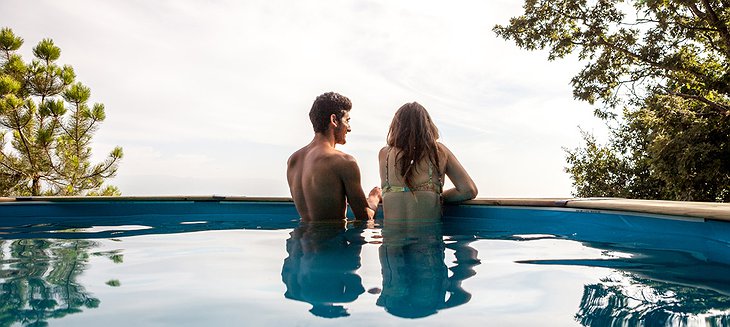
211	97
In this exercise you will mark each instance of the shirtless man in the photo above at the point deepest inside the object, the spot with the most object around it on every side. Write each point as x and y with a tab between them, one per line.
323	180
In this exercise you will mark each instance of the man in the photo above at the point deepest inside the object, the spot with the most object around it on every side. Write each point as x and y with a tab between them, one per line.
323	180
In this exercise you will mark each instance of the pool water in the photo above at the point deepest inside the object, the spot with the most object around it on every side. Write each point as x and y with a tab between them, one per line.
519	268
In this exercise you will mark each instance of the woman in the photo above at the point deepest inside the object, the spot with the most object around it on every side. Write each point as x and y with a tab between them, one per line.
413	166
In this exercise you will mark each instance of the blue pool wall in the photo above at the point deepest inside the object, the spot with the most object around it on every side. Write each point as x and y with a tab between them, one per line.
710	237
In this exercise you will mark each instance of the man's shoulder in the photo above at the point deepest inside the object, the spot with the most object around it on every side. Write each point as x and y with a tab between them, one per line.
335	162
294	157
332	158
340	158
301	153
343	165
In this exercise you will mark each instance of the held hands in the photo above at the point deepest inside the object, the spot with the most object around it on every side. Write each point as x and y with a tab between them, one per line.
375	197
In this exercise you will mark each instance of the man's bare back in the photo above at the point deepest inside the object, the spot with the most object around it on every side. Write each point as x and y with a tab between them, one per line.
323	180
315	181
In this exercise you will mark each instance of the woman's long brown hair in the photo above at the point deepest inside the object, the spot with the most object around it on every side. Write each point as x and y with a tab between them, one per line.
414	134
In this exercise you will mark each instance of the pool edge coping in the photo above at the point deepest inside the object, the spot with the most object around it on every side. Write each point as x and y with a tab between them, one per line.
707	210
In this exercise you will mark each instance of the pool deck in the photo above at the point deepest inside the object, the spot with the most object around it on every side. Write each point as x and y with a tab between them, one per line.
707	210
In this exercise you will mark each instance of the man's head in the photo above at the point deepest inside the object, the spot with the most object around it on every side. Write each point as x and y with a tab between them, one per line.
324	107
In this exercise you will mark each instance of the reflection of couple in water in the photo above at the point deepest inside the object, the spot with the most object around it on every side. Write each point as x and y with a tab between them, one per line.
321	266
323	260
415	276
323	181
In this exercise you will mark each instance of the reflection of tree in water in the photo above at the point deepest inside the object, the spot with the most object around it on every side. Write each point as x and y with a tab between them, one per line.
415	276
38	279
629	300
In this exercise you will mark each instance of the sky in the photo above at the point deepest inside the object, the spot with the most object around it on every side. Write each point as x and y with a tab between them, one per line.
211	97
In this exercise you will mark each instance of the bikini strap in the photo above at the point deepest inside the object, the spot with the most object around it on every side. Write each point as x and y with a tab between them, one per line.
438	177
430	173
387	178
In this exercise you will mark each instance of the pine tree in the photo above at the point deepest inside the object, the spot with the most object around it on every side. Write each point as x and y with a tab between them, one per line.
45	114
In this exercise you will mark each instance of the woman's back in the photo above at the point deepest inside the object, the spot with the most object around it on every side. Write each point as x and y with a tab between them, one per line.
413	165
423	199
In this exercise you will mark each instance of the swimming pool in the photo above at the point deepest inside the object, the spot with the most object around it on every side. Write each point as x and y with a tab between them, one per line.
221	261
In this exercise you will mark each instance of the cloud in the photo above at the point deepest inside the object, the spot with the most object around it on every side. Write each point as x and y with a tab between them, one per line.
211	92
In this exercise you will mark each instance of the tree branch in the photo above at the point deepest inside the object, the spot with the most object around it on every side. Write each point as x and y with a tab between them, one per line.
651	63
11	167
7	55
23	139
720	108
52	180
50	161
101	171
695	10
602	41
93	121
711	42
720	25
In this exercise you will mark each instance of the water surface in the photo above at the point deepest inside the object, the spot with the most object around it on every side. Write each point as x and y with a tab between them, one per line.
499	271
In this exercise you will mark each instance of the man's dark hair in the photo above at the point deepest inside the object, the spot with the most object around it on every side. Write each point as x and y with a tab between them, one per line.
324	106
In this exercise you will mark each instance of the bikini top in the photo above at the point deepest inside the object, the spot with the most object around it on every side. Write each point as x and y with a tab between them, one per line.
429	185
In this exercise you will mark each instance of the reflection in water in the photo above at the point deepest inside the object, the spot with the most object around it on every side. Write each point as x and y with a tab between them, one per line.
415	277
629	300
653	287
321	266
38	279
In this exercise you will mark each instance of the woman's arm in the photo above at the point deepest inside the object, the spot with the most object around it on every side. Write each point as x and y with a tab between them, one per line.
464	187
382	155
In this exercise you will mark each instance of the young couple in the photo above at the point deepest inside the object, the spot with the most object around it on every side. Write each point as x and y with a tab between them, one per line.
323	180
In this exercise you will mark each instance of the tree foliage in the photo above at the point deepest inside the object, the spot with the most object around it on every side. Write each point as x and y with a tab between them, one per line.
45	114
665	63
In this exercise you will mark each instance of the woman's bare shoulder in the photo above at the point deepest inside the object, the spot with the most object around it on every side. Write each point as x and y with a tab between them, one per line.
443	148
443	152
383	152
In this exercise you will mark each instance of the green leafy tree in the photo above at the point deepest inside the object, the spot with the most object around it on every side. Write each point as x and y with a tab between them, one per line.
665	64
45	114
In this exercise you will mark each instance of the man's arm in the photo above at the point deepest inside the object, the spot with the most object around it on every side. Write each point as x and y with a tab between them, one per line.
363	208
